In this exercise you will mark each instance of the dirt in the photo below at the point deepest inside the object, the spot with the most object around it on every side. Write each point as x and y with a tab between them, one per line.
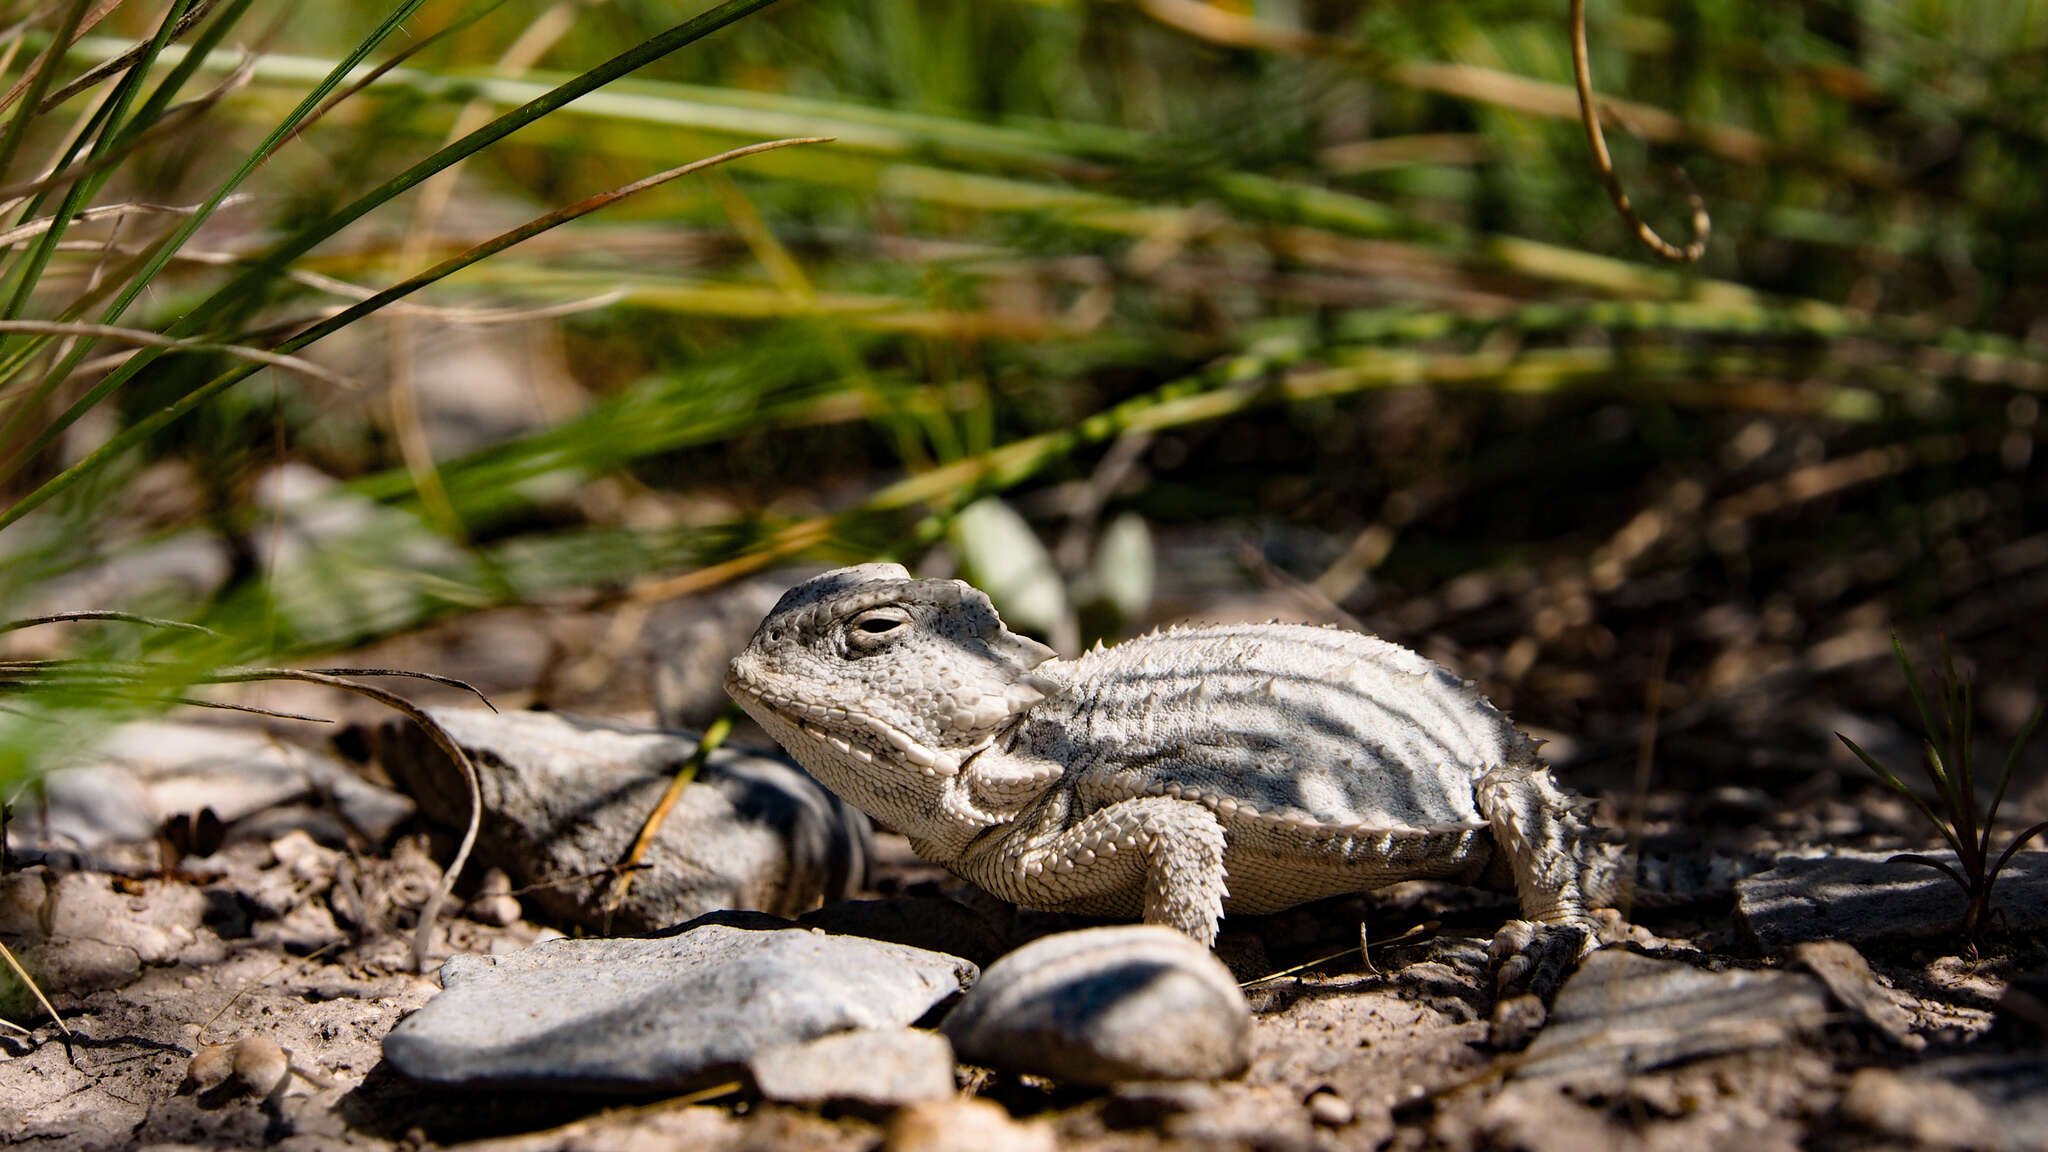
168	979
186	970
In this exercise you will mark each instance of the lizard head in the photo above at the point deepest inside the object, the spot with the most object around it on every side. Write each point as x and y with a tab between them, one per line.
882	685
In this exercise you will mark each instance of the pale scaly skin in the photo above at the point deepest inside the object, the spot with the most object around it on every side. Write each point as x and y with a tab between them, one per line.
1177	777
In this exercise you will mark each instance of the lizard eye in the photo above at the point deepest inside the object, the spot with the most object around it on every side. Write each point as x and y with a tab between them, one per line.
876	627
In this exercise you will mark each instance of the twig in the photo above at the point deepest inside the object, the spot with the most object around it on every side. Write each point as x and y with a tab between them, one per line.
43	224
409	674
714	735
158	340
107	69
1603	163
95	614
1410	932
431	910
1646	755
22	974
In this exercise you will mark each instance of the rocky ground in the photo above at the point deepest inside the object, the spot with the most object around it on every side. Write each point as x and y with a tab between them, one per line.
239	985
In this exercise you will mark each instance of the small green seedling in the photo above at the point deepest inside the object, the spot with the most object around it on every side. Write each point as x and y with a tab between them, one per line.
1953	807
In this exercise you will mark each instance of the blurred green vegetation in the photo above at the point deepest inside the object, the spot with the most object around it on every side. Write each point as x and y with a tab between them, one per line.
1336	265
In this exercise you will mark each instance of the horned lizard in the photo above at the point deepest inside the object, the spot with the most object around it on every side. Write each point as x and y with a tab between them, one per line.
1179	776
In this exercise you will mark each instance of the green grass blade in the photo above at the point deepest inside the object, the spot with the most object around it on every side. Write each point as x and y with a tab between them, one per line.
95	76
111	120
1938	865
142	277
1945	781
2012	849
1891	779
519	235
1913	686
182	72
262	272
143	429
2012	762
1963	722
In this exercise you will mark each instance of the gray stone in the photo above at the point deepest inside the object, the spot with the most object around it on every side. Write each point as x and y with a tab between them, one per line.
340	565
661	1013
933	922
1997	1102
77	933
1864	896
147	772
875	1068
1622	1014
565	797
692	638
1136	1002
1849	979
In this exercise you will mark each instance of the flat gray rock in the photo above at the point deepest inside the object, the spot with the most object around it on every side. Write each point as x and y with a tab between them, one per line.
1102	1005
1996	1101
1849	979
146	772
1622	1014
565	797
874	1068
671	1012
1863	896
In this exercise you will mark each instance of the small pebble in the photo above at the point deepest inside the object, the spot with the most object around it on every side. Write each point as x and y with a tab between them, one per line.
494	903
1516	1021
310	862
1329	1109
1103	1005
874	1067
210	1066
964	1125
261	1064
1925	1111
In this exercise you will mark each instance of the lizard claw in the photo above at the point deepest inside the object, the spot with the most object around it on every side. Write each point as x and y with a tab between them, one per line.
1535	959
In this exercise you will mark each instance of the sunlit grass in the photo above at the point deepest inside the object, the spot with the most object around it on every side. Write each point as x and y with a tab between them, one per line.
1038	228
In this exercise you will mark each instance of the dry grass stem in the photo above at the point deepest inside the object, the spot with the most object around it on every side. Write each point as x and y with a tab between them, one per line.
1603	163
294	364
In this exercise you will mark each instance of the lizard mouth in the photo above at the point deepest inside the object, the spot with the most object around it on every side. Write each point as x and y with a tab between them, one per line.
866	738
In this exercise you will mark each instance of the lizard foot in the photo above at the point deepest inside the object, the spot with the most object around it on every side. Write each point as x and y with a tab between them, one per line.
1535	959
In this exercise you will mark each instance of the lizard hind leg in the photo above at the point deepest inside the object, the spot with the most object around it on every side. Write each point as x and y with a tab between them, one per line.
1153	854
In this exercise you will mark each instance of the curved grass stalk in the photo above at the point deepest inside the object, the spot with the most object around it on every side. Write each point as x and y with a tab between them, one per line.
1603	163
150	339
34	228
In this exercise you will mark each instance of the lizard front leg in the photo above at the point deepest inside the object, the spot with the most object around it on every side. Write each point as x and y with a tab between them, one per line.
1548	848
1536	827
1154	854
